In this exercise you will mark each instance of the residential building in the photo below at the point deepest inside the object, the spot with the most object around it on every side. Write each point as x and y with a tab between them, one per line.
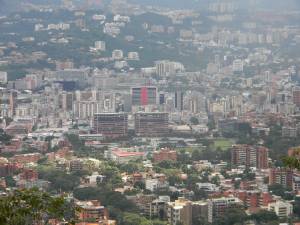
217	207
158	207
76	165
282	209
184	211
100	45
250	156
117	54
157	184
91	211
3	77
281	176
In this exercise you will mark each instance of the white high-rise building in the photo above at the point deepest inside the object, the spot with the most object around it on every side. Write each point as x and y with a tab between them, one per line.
3	77
117	54
100	45
167	68
238	65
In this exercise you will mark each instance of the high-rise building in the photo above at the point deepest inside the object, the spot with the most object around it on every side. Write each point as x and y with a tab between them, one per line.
3	77
296	97
179	100
142	96
250	156
281	176
100	45
67	101
167	68
13	102
111	125
162	98
238	65
151	124
86	109
262	157
217	207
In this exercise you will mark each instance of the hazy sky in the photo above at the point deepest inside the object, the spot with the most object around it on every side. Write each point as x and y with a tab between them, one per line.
194	4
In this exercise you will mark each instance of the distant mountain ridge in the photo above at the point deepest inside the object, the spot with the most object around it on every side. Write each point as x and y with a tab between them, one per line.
8	6
197	4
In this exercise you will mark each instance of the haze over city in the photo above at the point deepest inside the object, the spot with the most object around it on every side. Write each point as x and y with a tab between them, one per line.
147	112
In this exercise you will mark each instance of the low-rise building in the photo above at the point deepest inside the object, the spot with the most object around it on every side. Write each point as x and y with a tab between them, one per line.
165	155
184	211
92	211
124	157
217	207
282	209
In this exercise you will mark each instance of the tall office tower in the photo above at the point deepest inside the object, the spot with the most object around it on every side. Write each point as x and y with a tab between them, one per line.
151	124
142	96
179	100
13	102
162	98
67	101
111	125
296	96
262	158
249	156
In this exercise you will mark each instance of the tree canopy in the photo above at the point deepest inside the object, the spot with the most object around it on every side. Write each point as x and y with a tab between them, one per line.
29	207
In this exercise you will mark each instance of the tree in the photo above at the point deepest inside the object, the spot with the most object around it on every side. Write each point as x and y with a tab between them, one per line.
111	199
59	179
215	180
10	182
280	190
231	216
75	141
293	161
140	185
264	216
248	175
167	164
4	138
135	219
29	207
194	121
179	223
